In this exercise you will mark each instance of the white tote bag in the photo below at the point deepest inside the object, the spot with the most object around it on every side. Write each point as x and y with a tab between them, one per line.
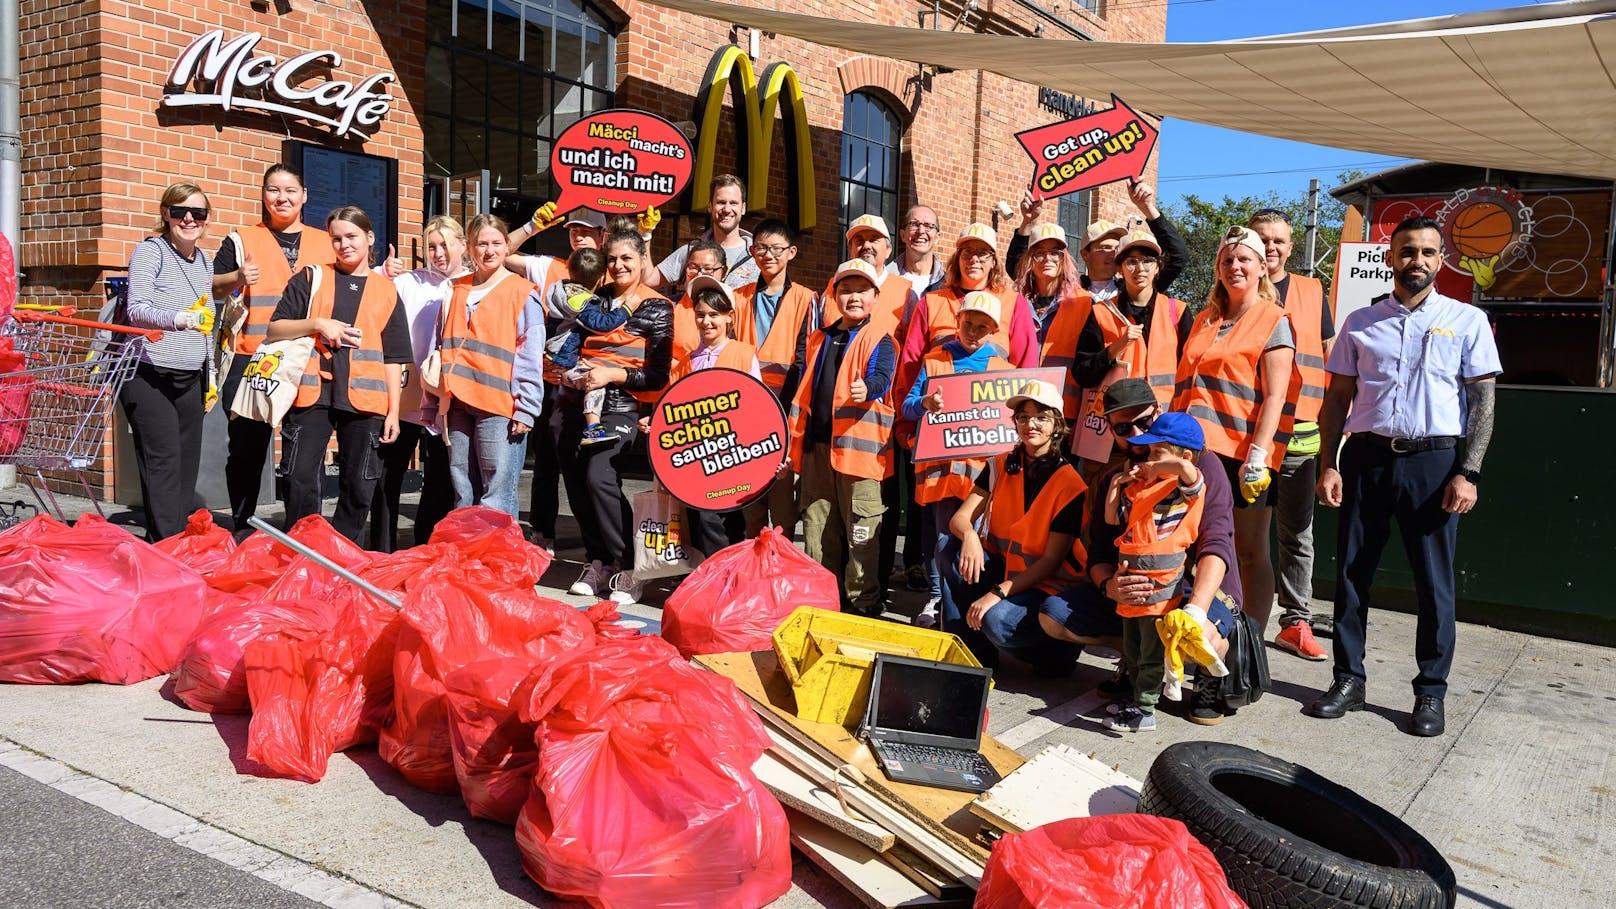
661	537
269	385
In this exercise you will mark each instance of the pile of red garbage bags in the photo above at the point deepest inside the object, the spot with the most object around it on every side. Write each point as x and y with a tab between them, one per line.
625	768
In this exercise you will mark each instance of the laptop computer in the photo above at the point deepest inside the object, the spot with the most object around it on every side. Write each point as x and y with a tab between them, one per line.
924	722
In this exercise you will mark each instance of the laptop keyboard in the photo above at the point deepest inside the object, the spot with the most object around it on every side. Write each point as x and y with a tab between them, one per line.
946	758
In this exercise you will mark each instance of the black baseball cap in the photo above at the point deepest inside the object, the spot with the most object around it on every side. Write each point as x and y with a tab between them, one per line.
1125	394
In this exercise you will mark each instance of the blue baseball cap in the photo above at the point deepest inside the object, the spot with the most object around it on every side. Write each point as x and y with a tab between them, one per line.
1179	429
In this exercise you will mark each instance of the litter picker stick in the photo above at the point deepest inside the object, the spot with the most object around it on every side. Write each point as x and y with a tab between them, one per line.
264	526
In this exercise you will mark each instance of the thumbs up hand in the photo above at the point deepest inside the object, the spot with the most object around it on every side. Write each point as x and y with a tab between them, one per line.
394	266
249	271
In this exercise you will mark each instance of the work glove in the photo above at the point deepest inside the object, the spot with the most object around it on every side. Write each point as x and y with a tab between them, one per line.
545	218
210	399
1254	475
198	318
648	220
1184	640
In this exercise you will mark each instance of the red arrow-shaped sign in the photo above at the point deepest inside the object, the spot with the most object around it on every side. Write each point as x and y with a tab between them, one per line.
1090	151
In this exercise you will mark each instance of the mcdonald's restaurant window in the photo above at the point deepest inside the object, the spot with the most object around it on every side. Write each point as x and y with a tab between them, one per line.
1072	214
871	136
504	78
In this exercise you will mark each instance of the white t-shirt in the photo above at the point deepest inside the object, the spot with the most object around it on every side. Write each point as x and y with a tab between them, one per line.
422	293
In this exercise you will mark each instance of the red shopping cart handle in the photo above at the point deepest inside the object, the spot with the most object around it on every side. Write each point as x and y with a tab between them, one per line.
150	334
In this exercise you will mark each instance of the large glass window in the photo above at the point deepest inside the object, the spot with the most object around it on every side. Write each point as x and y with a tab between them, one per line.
1072	214
504	77
871	136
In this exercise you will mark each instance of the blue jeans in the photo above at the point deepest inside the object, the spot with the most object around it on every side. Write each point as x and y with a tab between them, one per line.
941	513
1011	627
485	460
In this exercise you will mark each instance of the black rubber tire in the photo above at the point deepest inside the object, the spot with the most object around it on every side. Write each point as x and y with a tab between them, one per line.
1288	838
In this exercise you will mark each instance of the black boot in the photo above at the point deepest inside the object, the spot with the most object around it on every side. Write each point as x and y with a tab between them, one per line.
1345	695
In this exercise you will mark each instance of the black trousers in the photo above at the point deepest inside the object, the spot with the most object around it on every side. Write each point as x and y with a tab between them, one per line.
711	531
164	408
247	451
593	475
546	501
437	494
304	435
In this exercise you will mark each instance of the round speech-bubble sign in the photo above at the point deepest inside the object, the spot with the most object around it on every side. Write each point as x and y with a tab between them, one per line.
718	437
620	162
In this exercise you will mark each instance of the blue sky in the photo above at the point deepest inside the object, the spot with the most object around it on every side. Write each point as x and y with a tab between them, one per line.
1212	162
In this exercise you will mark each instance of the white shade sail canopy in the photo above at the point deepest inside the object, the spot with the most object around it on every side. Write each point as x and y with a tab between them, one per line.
1527	89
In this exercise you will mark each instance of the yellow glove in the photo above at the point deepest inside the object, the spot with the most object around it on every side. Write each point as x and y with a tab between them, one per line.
1255	475
203	316
545	218
648	219
1184	639
210	399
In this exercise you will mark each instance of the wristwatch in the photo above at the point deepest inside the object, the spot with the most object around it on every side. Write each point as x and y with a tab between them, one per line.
1474	476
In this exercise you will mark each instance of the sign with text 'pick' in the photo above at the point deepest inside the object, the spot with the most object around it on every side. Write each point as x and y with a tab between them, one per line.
1089	151
620	162
717	439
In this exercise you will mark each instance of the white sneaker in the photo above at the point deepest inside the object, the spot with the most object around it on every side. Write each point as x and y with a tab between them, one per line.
927	616
624	590
589	583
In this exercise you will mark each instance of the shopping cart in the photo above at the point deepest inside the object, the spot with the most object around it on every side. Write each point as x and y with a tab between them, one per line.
54	411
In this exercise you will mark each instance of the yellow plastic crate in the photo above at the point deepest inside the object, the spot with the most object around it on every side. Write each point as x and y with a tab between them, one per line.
828	656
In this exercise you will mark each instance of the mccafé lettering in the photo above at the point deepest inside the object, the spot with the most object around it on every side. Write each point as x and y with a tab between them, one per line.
233	76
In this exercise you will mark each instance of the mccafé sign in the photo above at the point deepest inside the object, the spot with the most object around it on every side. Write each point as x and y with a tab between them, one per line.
233	75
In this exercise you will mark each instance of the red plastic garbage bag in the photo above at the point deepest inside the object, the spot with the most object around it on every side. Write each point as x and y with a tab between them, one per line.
495	539
212	672
15	391
1117	861
494	750
644	795
456	618
315	697
92	603
203	545
733	602
260	561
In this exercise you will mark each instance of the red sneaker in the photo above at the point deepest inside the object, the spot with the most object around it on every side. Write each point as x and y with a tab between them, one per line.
1298	639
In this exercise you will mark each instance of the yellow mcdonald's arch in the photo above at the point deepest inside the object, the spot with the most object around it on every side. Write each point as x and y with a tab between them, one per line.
730	70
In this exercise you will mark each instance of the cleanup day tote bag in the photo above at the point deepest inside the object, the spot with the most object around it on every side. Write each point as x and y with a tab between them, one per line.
269	385
661	538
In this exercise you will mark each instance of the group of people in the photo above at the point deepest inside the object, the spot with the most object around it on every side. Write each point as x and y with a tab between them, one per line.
1214	411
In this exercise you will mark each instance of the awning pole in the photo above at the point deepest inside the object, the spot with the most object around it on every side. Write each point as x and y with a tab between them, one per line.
1607	311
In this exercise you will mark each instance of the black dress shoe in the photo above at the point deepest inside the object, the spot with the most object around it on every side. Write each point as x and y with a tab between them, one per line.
1345	695
1426	720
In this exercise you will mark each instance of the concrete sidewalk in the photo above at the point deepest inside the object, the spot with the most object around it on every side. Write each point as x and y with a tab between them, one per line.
1518	795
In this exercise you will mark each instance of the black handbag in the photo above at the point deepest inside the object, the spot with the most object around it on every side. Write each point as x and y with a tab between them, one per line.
1247	660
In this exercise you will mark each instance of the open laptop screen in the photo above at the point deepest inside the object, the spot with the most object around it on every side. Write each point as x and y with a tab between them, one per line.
930	699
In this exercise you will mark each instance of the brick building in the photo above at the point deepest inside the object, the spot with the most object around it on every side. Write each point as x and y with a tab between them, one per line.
478	86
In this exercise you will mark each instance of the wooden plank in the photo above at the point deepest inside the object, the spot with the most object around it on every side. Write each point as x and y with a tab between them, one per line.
931	879
818	802
1059	783
875	883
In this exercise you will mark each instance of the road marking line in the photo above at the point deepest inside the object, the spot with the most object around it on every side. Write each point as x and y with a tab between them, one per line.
222	846
1057	717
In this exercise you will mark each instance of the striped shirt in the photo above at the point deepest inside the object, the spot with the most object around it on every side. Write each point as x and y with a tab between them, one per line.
163	284
1168	513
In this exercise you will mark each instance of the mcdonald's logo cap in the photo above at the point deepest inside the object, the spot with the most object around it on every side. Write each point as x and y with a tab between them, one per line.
980	231
856	267
1139	237
1039	392
983	302
1047	231
868	222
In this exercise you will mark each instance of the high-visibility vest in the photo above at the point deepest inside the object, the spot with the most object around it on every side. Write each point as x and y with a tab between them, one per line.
1161	559
1220	381
686	337
1059	349
1021	534
860	434
775	352
262	296
1154	357
939	480
734	355
1304	303
942	316
478	347
624	349
367	373
892	302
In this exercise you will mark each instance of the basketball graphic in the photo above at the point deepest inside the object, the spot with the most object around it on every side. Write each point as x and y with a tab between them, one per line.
1481	230
1485	231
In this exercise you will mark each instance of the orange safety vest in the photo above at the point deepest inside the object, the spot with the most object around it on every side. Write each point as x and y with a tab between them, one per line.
478	347
686	338
775	352
261	298
860	434
622	348
942	317
939	480
1154	357
1304	303
1220	382
1059	349
1021	534
367	374
734	355
892	301
1162	559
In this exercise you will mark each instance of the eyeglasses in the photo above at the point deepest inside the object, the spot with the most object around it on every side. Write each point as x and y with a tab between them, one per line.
773	252
1036	419
922	227
977	252
178	213
1129	427
694	269
1047	254
1267	213
1139	263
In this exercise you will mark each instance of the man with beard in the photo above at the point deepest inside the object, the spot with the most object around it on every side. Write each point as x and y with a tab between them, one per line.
1411	380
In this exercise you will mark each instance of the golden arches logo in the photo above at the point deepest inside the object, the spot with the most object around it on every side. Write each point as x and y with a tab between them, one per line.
730	70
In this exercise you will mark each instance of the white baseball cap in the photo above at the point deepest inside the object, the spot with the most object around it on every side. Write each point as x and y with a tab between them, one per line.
983	302
868	222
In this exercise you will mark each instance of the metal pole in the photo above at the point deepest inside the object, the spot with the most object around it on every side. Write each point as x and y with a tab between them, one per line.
10	154
1311	223
1606	376
261	525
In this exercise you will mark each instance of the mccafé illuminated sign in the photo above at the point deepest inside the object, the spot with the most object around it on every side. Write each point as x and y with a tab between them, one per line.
754	131
232	75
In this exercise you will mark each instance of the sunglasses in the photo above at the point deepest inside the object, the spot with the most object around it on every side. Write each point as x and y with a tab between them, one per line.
1128	428
1266	213
178	213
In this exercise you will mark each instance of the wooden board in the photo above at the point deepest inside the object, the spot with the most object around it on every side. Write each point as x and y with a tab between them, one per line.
796	791
931	879
875	883
758	675
1059	783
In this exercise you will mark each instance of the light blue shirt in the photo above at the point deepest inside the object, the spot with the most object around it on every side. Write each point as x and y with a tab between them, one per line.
1411	366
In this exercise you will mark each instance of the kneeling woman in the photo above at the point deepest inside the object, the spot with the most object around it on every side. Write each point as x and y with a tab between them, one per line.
1000	592
351	385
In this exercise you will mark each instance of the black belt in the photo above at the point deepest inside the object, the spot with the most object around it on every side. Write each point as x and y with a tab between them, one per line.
1409	446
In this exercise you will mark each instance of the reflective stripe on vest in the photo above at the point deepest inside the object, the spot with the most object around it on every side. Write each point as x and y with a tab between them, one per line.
367	371
776	352
860	434
1161	559
1304	303
264	295
1220	381
1059	349
1154	357
892	302
479	343
1020	534
942	317
624	349
952	479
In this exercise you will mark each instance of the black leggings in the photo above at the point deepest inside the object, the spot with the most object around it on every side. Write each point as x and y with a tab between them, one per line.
247	453
437	494
164	409
593	475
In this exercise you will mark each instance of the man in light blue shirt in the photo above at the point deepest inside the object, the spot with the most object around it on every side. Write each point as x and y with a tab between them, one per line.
1411	379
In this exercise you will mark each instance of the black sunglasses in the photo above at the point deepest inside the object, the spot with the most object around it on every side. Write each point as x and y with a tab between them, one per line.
178	213
1271	213
1130	427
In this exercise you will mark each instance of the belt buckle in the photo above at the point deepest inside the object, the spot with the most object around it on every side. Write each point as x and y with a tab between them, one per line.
1397	446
